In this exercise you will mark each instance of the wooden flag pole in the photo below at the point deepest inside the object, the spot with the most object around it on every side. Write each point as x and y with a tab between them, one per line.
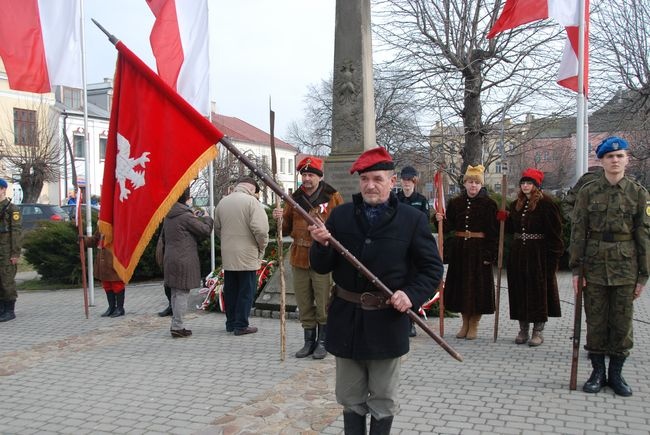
502	233
441	250
283	293
82	251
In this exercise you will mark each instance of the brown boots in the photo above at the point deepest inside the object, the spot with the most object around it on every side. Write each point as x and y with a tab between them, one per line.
469	329
537	337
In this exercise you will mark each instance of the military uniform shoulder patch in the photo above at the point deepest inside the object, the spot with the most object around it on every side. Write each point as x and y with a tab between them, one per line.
15	215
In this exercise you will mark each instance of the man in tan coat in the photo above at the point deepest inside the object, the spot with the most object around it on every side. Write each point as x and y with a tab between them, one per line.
241	224
312	289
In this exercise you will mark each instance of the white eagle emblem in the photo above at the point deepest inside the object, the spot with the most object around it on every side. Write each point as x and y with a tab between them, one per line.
124	167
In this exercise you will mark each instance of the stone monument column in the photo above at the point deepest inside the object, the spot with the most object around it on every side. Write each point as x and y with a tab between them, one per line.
353	106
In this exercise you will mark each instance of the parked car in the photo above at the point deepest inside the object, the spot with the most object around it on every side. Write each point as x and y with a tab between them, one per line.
71	209
35	213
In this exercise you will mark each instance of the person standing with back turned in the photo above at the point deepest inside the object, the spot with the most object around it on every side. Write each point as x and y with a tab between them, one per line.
611	237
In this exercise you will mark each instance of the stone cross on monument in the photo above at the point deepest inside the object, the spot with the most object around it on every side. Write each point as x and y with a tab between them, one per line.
353	106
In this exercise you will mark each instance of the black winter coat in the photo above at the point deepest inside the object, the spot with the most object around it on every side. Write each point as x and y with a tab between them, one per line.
400	250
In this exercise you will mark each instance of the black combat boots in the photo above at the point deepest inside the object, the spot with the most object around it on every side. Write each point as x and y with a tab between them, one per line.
380	427
319	350
597	380
616	381
8	313
111	304
353	423
119	304
310	343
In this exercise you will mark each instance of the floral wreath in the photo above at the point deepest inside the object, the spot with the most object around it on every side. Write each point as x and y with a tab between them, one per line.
214	300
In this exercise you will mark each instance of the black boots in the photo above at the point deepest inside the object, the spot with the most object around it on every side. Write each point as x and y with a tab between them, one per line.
119	304
381	427
7	311
310	344
616	381
353	423
111	304
167	311
597	380
319	350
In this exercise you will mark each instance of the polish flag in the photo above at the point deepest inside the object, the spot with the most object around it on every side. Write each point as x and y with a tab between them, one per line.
40	44
179	40
157	144
567	13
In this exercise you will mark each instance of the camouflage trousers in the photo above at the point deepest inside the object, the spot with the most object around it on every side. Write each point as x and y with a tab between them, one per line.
609	311
8	282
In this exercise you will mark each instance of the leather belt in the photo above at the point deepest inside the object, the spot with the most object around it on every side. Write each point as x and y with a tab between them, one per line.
368	300
528	236
303	243
470	234
606	236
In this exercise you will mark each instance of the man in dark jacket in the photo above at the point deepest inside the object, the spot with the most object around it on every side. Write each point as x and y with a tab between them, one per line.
367	332
10	245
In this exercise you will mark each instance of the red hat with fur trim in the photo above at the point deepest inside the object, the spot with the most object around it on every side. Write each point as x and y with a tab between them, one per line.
375	159
311	164
534	175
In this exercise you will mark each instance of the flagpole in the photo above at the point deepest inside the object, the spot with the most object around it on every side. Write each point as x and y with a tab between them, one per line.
89	224
582	151
213	257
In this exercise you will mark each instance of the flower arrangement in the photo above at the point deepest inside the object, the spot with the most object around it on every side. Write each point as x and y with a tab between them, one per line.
213	289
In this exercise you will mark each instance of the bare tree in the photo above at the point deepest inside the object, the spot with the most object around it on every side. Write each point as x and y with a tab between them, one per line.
439	48
33	148
624	61
396	117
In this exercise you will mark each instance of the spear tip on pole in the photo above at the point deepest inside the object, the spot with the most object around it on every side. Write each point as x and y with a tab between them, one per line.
111	37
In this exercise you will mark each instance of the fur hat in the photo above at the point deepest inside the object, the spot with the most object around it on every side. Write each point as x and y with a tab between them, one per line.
375	159
613	143
475	172
534	175
311	164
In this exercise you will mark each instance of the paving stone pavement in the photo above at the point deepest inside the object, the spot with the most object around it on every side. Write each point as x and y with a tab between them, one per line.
61	373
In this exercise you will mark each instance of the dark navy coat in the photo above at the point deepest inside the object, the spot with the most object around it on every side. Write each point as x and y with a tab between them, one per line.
401	251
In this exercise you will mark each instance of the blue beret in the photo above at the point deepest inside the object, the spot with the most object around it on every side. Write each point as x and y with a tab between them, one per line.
3	183
610	144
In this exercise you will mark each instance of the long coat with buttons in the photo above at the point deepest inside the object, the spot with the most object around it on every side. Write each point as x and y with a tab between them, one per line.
532	262
469	286
401	251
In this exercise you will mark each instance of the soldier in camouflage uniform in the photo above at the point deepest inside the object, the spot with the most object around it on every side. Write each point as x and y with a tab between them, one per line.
10	244
611	235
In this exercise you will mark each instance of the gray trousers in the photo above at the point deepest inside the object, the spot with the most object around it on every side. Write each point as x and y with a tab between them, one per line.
179	306
364	386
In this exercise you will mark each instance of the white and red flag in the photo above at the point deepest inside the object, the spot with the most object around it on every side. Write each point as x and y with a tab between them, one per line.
567	13
40	44
179	40
157	143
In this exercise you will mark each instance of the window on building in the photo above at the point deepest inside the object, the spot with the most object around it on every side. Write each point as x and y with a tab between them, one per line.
282	170
497	187
78	146
25	127
501	167
290	166
265	160
102	147
72	97
547	156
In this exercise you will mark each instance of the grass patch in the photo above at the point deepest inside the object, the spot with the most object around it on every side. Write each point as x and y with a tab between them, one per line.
37	284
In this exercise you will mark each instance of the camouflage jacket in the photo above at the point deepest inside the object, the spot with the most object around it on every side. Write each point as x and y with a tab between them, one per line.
604	211
10	230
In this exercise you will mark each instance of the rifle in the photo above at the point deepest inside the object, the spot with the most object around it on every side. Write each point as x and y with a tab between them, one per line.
82	251
502	234
577	325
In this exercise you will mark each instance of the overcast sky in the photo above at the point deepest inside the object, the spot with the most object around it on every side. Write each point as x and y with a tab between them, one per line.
258	48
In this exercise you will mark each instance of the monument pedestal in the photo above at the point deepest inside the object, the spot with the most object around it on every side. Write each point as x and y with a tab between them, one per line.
269	297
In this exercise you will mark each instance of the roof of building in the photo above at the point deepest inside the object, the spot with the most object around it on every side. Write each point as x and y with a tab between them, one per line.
236	129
